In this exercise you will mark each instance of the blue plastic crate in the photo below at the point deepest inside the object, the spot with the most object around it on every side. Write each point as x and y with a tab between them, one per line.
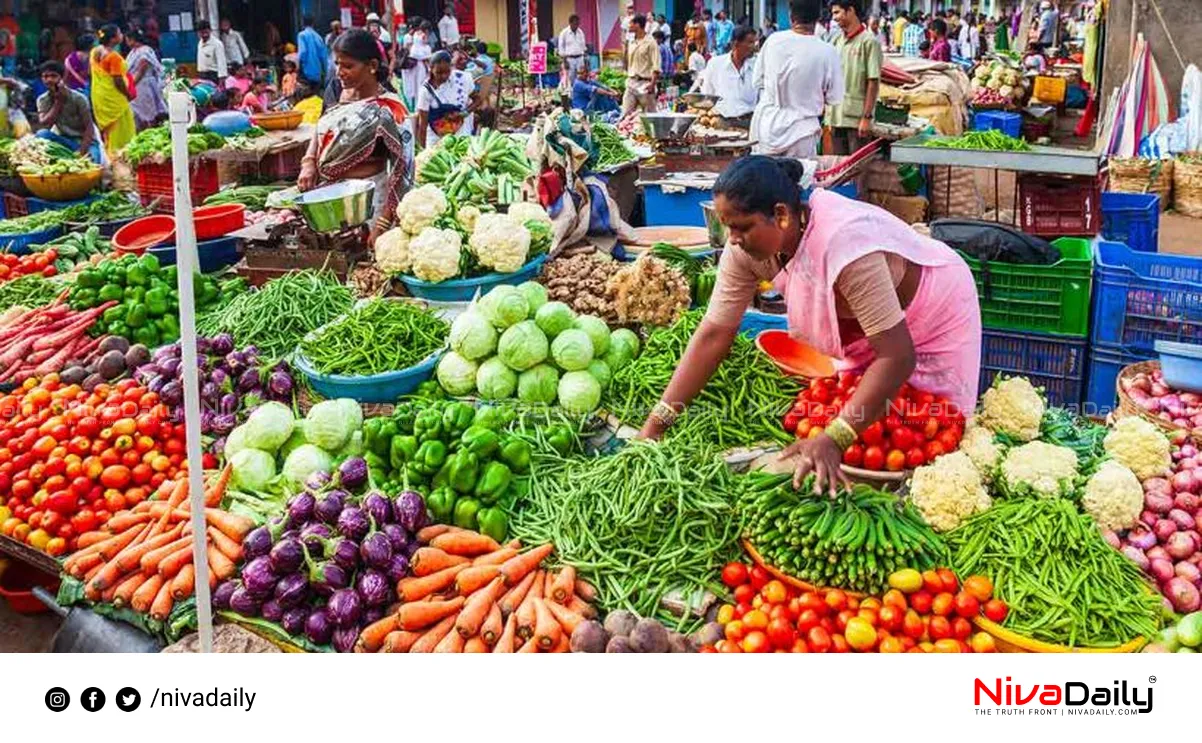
1105	363
213	255
1133	219
1141	298
462	290
1054	362
19	244
1007	123
35	205
673	207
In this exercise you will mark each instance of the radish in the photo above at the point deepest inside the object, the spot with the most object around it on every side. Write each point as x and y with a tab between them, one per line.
1164	529
1183	594
1161	570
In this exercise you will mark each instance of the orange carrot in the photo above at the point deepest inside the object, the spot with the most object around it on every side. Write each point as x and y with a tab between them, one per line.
567	618
493	626
107	595
476	609
495	558
586	591
428	641
372	637
546	630
184	582
112	547
163	602
150	559
510	602
576	605
413	589
222	566
425	613
465	543
516	568
173	564
84	564
215	493
529	646
428	560
125	589
125	520
178	494
88	540
228	547
88	576
564	585
508	635
146	593
565	644
131	558
399	641
157	510
112	571
475	645
473	579
425	534
233	526
452	643
515	545
525	612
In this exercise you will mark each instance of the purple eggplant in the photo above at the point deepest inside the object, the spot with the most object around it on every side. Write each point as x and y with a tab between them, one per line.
156	384
314	536
280	384
257	543
210	392
206	419
398	568
376	550
218	446
173	393
373	587
258	578
410	510
221	344
397	536
345	607
300	508
286	557
318	481
318	627
221	379
344	638
248	380
289	534
204	346
293	620
223	423
412	547
373	614
327	577
353	523
221	594
170	368
228	404
292	590
177	413
163	353
244	603
236	363
271	610
344	552
352	475
147	372
378	507
328	508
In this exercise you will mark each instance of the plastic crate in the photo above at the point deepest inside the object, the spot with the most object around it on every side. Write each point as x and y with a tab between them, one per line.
1105	363
1041	299
156	180
35	205
19	244
1054	362
15	205
672	207
1132	218
1145	297
1004	121
213	255
1050	89
1059	206
278	166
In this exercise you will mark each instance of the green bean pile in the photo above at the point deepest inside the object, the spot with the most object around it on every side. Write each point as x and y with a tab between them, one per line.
1063	583
742	404
989	139
29	291
378	336
647	521
611	147
277	316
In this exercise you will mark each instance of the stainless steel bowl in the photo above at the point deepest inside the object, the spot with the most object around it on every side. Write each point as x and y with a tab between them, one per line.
337	206
713	225
700	100
668	126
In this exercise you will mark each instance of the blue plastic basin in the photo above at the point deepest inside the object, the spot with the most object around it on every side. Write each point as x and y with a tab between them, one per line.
379	388
1181	364
462	290
213	255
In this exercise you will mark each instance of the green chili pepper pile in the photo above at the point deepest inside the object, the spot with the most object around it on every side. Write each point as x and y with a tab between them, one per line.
645	522
376	337
1063	583
282	312
29	291
990	139
742	404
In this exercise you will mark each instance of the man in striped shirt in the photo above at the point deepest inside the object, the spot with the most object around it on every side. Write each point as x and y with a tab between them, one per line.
913	36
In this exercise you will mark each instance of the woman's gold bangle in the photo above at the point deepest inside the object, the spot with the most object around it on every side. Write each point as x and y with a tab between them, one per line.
841	433
665	413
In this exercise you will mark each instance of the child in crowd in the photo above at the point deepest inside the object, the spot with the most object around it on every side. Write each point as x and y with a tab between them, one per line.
1033	60
288	81
258	98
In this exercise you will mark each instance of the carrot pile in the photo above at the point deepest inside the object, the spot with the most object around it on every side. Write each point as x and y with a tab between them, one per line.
142	559
42	340
469	594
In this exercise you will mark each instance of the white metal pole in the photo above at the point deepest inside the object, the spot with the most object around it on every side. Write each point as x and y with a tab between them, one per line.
183	115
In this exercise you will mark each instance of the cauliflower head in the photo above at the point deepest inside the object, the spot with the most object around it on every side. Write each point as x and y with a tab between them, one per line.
984	452
1040	469
1012	407
468	214
524	211
392	251
435	254
500	242
1140	446
420	207
1113	496
948	491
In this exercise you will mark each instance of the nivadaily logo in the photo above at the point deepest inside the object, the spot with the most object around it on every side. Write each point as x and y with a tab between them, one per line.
1070	697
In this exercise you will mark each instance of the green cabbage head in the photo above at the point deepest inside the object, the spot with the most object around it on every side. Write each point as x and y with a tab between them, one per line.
600	371
535	294
554	317
504	306
538	384
522	346
252	469
472	336
597	330
456	374
579	392
572	350
269	426
495	381
330	424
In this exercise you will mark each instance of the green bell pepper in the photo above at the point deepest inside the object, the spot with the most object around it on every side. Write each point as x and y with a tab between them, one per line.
147	335
480	441
516	453
120	328
561	438
466	510
442	478
168	327
135	316
487	416
441	503
90	279
111	293
84	298
403	417
457	417
135	294
150	263
427	426
170	275
377	466
114	314
492	482
156	302
430	390
135	275
429	457
465	467
401	451
493	522
371	434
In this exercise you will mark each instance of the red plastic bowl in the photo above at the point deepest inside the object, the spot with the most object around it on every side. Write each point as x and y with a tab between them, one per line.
793	357
142	234
219	220
16	583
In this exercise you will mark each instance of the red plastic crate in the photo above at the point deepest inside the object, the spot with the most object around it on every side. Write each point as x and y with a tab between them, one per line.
157	181
1056	206
15	206
278	166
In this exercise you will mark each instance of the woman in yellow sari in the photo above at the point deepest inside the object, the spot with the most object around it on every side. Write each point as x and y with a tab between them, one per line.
111	93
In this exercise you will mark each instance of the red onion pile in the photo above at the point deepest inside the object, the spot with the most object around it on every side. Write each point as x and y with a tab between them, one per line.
1167	543
1149	392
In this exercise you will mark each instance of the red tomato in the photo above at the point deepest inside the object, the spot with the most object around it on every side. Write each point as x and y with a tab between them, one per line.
890	617
781	634
912	625
791	419
84	521
915	458
940	628
62	502
854	456
114	500
933	450
896	461
775	593
930	428
996	610
813	602
943	605
949	580
734	574
818	640
874	435
901	438
961	628
89	427
756	642
967	605
874	458
839	644
799	646
892	423
836	600
759	577
744	593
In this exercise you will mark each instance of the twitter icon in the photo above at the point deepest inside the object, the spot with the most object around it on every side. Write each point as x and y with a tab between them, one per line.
128	699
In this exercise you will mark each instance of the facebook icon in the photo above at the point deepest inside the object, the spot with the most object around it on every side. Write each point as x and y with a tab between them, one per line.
92	699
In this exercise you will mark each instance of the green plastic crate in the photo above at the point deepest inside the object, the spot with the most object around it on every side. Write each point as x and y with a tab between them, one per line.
1044	299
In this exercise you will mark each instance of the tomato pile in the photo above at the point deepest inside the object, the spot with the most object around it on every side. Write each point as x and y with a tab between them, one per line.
927	612
918	427
14	266
69	458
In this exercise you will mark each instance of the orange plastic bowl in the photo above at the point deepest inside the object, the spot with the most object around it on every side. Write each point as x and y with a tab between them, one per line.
793	357
142	234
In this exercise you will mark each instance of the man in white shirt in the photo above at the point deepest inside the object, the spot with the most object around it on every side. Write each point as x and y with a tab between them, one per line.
731	76
210	54
798	76
376	27
236	51
573	49
448	27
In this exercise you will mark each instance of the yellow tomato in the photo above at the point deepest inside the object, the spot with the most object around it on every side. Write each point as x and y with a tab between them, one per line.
982	643
947	646
56	547
775	592
5	514
860	635
38	539
20	532
726	613
906	580
755	619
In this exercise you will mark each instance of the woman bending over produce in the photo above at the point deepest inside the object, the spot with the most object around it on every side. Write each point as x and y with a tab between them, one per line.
860	286
362	136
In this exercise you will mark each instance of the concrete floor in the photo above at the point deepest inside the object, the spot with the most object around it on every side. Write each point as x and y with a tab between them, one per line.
26	633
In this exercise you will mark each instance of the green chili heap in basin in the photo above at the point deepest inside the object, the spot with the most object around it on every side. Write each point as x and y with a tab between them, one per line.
376	337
